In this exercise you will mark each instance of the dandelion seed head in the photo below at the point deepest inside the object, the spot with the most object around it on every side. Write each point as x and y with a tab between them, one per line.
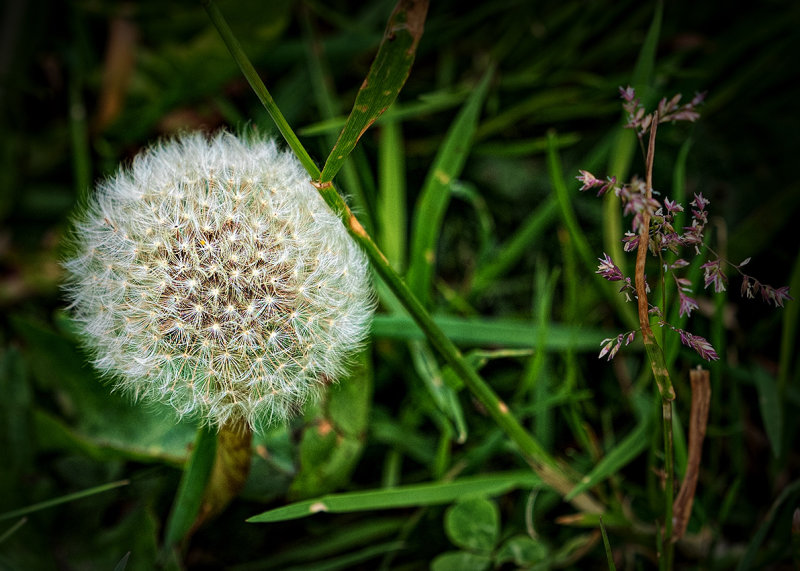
192	274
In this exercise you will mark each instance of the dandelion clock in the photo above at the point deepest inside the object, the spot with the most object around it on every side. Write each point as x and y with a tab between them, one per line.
211	276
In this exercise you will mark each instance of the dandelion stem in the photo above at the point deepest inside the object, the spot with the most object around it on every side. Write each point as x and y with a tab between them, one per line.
547	467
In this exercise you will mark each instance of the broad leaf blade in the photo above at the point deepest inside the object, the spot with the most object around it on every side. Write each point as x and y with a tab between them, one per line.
384	81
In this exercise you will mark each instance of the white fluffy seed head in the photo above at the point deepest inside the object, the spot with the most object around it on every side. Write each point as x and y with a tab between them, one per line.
211	276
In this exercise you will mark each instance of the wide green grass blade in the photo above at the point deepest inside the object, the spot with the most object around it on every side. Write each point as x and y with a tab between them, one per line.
193	483
403	496
62	500
492	332
386	77
435	194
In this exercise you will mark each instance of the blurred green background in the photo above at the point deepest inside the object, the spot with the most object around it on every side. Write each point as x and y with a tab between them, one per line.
85	84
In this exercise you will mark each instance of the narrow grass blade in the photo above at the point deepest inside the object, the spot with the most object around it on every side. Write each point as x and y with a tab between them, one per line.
193	484
520	243
442	394
625	144
403	496
250	73
607	545
62	500
748	559
386	77
578	237
791	317
621	455
13	529
771	407
435	193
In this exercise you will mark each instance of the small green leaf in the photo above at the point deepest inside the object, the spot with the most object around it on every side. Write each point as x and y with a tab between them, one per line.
522	550
473	524
386	77
460	561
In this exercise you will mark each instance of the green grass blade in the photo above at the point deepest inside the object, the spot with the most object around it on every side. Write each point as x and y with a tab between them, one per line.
62	500
435	193
193	483
510	253
392	221
403	496
235	48
748	559
621	455
626	142
579	238
386	77
492	332
771	407
607	545
791	316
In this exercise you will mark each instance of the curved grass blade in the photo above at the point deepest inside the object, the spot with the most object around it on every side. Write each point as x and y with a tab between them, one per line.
403	496
384	81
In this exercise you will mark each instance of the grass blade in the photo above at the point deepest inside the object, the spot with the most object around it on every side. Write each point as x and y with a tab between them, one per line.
386	77
436	493
492	332
62	500
435	193
392	195
607	545
622	454
193	483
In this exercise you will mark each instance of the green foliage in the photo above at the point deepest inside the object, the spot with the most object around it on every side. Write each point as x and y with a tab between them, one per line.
466	183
